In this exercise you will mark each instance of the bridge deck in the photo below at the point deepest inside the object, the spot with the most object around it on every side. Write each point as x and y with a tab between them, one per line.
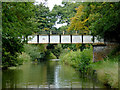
64	39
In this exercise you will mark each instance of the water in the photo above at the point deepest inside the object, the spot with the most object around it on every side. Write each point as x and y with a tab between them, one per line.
47	75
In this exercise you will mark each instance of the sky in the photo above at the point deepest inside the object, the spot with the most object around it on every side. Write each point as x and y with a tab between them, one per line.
50	4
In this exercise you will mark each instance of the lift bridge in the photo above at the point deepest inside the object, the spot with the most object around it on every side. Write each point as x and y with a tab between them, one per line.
55	37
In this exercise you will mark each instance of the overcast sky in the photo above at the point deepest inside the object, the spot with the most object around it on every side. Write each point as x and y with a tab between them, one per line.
50	4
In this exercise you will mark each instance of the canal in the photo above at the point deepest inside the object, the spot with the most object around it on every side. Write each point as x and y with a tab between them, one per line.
50	74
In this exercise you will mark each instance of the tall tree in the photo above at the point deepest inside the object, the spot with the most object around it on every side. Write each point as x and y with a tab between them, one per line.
105	21
101	19
44	18
78	22
65	12
16	22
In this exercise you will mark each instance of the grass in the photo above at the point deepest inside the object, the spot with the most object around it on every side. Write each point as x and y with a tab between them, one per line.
107	71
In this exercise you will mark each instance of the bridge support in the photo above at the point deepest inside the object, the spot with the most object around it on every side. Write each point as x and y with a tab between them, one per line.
101	51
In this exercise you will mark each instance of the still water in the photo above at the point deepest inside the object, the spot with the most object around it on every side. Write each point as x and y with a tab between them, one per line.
47	75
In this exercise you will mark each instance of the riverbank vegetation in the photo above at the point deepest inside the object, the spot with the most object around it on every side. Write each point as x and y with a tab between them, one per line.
107	69
23	57
78	59
16	22
99	19
19	20
36	53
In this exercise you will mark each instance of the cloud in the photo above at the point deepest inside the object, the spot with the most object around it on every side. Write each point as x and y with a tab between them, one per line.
50	3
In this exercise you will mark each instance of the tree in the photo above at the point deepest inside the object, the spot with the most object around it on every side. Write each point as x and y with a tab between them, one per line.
43	18
78	22
102	19
107	21
16	22
64	12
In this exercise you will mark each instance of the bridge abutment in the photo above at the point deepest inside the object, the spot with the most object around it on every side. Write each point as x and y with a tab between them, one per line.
101	51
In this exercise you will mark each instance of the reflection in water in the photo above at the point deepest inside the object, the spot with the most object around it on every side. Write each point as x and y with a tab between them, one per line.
56	78
47	75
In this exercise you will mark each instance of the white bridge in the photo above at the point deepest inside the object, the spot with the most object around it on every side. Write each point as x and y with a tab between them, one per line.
70	39
64	39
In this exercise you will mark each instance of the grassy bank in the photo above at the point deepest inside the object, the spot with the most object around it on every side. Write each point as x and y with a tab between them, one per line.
107	70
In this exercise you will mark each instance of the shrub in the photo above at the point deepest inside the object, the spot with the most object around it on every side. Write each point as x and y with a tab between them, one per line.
78	59
115	53
51	56
34	51
24	57
10	47
57	50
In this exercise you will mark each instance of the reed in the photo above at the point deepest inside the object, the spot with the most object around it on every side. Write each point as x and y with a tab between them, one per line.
107	71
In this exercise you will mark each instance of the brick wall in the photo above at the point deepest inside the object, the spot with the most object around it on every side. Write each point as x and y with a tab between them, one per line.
101	52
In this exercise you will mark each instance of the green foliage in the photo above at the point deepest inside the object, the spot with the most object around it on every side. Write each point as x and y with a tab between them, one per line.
57	50
63	28
75	47
69	46
44	19
107	23
85	59
78	59
49	55
24	57
11	46
115	52
16	22
101	19
107	71
16	18
34	51
64	12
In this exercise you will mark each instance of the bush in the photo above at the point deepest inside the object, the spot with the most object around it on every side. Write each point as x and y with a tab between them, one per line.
24	57
11	46
78	59
57	50
50	56
115	52
34	51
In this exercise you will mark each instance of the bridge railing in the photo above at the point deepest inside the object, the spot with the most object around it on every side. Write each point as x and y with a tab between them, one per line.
73	32
64	39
